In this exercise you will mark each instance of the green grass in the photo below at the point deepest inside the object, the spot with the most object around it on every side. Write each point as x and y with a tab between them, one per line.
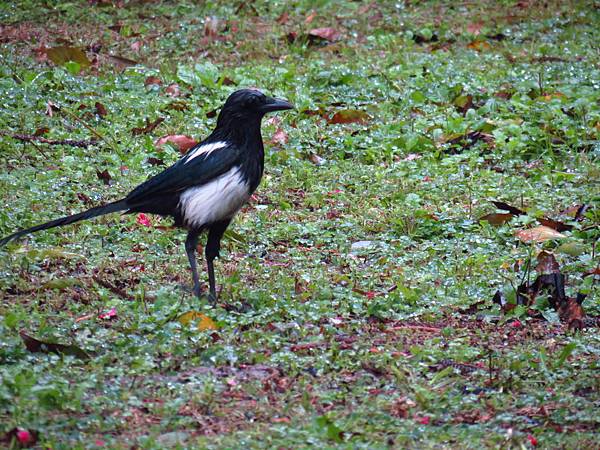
319	343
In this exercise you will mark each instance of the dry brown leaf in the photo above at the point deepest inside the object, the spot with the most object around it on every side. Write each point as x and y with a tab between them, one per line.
479	46
475	28
148	128
329	34
152	80
546	263
310	17
279	137
538	234
173	90
181	141
497	219
348	116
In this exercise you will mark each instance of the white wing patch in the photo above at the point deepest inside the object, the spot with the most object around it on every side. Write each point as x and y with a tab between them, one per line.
205	149
220	199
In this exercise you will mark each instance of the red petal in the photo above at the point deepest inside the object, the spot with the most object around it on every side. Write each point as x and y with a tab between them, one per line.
144	220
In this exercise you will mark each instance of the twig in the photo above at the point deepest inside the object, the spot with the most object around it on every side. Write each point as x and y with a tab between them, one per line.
42	140
114	289
414	327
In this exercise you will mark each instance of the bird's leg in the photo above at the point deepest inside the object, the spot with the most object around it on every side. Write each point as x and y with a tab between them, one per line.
190	248
213	245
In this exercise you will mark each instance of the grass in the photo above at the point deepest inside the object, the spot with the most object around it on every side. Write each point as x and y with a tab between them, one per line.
321	341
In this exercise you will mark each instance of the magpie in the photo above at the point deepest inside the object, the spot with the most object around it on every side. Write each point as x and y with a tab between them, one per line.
206	187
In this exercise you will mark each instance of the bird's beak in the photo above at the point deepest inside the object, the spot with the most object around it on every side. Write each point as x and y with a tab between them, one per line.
276	104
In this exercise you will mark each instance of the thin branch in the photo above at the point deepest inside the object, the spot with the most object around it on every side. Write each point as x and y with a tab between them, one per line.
43	140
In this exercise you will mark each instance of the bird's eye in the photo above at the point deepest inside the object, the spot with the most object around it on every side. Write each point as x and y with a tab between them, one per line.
253	101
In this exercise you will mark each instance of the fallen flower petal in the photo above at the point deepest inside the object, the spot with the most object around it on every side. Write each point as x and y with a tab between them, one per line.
108	314
144	220
24	437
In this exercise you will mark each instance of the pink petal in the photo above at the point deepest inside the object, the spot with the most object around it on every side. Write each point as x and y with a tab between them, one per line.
108	314
144	220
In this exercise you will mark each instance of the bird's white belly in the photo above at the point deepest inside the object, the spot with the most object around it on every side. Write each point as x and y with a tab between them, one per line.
218	200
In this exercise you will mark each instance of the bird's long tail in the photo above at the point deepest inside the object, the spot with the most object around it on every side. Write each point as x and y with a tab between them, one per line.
93	212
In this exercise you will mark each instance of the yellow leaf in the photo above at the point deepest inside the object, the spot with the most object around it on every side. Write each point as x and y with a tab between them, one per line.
480	46
204	322
61	55
538	234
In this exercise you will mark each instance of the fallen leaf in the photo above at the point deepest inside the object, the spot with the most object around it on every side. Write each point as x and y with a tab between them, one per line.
152	80
328	34
173	90
279	137
120	62
104	176
348	116
283	18
546	263
497	219
204	322
412	157
155	161
61	55
310	17
506	207
579	214
479	46
475	28
181	141
136	46
36	346
401	407
463	103
211	27
538	234
571	312
108	315
316	159
555	224
281	420
595	271
100	109
148	128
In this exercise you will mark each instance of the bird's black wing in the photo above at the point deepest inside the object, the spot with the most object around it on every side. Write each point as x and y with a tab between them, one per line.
186	173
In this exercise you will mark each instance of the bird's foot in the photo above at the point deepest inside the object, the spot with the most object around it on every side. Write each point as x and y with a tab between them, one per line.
212	298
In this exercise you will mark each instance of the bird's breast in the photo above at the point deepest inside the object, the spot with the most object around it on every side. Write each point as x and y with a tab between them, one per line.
214	201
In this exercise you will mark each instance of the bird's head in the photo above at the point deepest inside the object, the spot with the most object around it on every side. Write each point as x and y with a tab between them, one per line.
249	105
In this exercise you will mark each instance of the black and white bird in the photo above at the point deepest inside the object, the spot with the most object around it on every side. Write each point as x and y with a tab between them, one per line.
204	189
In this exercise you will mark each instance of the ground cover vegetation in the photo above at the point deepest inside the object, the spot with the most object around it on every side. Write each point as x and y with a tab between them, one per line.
373	295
